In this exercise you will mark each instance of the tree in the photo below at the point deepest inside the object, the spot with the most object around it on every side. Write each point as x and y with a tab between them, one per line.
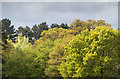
22	42
42	49
54	25
62	25
43	26
6	26
38	29
7	29
91	24
92	54
5	35
26	32
79	25
6	48
119	53
57	33
56	56
0	29
65	26
23	63
26	60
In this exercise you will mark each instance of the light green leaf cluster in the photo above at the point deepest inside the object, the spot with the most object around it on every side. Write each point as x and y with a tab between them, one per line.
22	42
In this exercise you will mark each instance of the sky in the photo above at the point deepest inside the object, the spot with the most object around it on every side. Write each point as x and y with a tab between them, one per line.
119	14
30	13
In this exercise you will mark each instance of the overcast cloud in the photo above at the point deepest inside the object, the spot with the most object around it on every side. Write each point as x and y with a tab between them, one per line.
30	13
119	14
59	0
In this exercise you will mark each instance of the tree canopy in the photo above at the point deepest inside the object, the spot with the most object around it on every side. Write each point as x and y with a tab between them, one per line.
92	54
82	49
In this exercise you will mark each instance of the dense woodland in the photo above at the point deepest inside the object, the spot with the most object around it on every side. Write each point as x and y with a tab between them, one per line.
81	49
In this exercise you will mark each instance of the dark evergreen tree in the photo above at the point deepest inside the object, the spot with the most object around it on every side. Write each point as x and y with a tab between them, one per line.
37	29
65	26
54	25
7	29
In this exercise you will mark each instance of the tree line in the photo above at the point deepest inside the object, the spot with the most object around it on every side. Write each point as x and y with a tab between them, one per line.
81	49
34	32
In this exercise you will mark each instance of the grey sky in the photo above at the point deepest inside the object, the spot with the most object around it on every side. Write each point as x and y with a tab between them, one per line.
119	14
30	13
59	0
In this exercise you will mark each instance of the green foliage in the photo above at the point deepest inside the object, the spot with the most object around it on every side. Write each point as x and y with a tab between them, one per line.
22	42
26	32
57	33
22	63
61	38
119	53
6	48
88	49
63	25
92	54
53	33
42	49
38	29
34	32
56	56
54	25
7	29
80	25
26	60
6	26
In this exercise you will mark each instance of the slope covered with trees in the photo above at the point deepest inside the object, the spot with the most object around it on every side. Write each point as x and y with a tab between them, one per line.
83	49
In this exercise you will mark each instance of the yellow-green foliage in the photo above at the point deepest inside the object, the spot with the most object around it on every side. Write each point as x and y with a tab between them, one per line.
61	38
6	50
119	54
53	33
22	63
79	25
57	33
22	42
28	61
92	54
42	50
63	53
56	57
